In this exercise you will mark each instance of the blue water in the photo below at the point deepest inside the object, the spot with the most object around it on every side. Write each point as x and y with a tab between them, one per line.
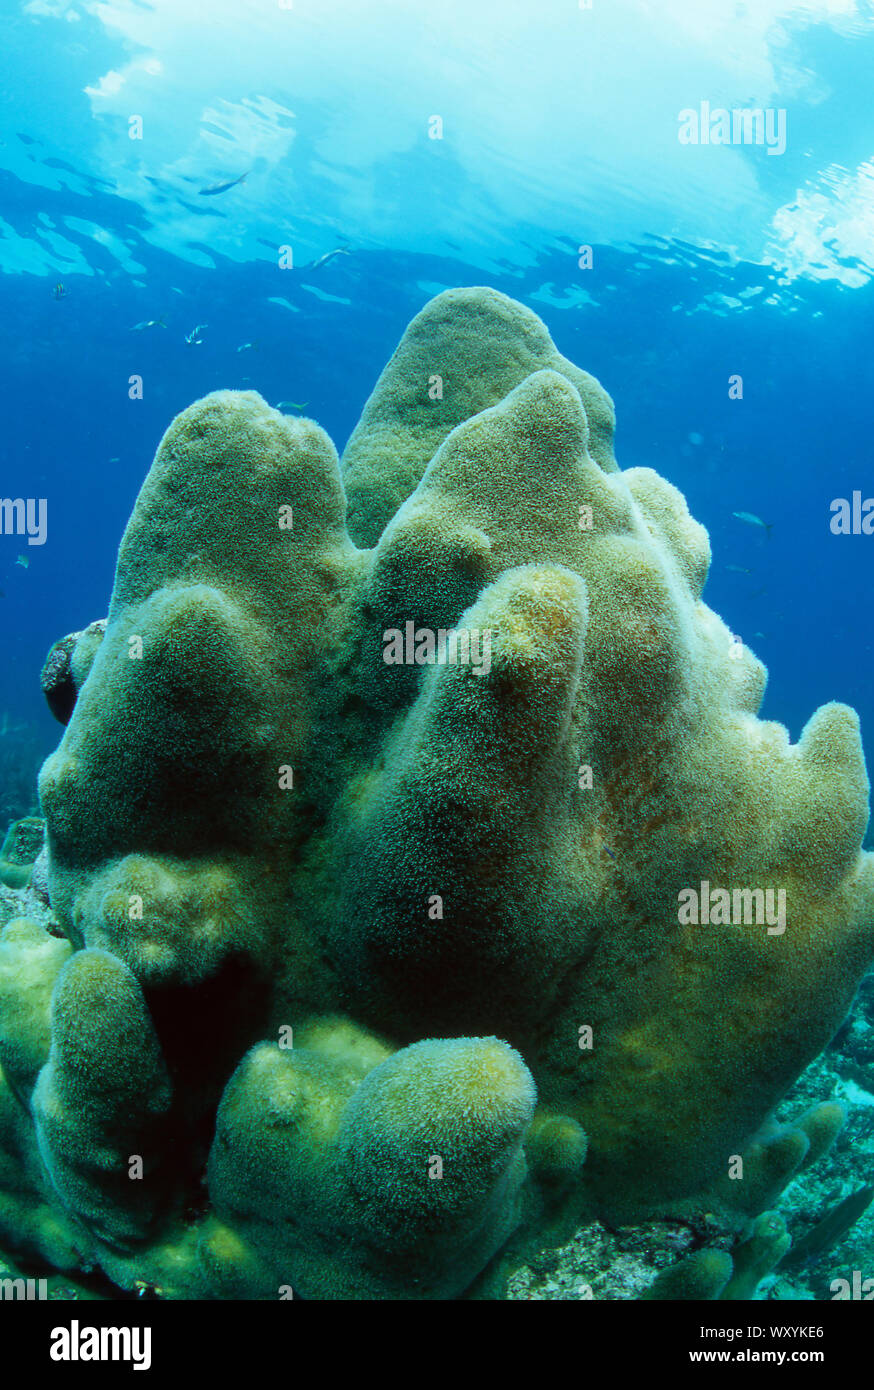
560	129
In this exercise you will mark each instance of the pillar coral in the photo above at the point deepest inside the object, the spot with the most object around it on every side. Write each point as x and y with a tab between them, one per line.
372	964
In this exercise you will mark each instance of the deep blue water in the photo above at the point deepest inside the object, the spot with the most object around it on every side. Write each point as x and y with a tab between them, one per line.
706	262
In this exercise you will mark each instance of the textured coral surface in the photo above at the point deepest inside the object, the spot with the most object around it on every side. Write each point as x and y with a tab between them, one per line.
371	965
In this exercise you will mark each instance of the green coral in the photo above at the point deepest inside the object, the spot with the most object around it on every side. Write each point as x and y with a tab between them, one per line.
101	1098
399	1182
700	1277
757	1256
20	848
260	829
466	351
30	961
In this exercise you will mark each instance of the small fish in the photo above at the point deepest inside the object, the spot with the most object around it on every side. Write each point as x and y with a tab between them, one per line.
328	256
148	323
738	569
8	727
23	561
246	347
752	520
292	405
59	292
194	335
829	1230
608	851
215	188
116	460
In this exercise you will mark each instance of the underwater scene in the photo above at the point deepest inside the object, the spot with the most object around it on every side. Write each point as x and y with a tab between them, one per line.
436	547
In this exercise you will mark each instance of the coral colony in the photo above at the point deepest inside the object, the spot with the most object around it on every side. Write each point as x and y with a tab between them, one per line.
371	976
